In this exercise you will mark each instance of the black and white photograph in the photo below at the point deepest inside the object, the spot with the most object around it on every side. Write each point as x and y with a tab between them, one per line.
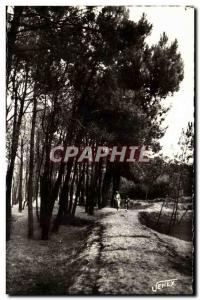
100	148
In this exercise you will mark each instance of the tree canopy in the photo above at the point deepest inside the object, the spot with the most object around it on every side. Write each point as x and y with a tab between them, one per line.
83	76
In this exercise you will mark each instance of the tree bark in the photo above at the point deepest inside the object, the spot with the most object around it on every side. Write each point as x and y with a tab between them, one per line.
31	171
63	201
20	196
116	182
14	146
106	185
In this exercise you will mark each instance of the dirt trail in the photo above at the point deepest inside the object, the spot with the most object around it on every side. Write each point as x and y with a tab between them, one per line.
124	257
115	255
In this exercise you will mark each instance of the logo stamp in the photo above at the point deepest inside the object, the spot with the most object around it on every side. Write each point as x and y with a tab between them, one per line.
163	283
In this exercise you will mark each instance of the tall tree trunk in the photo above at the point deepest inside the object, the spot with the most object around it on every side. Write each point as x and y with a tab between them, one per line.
72	189
99	186
20	192
26	181
49	192
63	201
14	146
92	193
31	171
49	196
39	165
87	188
82	188
13	193
106	185
77	193
116	182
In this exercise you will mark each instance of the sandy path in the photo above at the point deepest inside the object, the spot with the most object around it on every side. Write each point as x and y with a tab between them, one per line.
124	257
118	255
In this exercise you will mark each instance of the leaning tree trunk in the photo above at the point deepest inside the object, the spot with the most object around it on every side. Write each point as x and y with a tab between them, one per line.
49	194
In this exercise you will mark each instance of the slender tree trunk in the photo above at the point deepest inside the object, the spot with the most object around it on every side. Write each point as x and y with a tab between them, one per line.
116	182
31	171
106	185
92	193
39	165
82	188
160	213
72	189
87	188
26	180
9	177
77	193
99	188
15	189
20	196
175	206
13	193
14	146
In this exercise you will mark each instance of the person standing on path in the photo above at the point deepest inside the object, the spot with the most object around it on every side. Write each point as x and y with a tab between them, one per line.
117	199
